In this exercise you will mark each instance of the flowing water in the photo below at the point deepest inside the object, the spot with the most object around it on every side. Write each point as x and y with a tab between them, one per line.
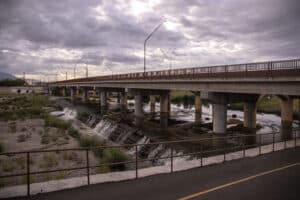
119	133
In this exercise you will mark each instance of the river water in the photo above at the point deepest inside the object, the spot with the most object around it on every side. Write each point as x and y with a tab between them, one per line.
118	133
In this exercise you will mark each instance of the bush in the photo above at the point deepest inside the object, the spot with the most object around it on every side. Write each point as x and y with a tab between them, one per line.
56	122
70	156
89	141
73	132
49	160
114	156
8	166
21	138
45	139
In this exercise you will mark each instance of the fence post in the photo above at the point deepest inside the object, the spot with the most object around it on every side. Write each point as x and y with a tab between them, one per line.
201	154
136	161
285	142
273	144
260	144
244	147
28	173
295	138
88	166
171	159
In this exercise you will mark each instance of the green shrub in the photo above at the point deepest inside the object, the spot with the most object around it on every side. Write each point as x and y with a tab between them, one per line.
8	166
51	121
89	141
70	156
13	127
73	132
114	156
49	160
21	138
45	139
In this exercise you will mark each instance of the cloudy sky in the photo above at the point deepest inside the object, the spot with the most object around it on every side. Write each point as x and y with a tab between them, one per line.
51	37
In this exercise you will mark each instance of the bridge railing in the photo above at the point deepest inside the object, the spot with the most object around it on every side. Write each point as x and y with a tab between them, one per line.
270	69
226	145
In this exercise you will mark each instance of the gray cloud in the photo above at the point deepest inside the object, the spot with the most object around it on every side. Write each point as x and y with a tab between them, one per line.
39	35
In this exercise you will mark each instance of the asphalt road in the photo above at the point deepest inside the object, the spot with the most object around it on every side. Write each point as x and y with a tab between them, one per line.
271	176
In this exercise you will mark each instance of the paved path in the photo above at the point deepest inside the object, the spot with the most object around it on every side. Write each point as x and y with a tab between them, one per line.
270	176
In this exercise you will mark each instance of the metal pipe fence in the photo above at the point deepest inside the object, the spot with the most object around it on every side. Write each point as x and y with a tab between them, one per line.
136	160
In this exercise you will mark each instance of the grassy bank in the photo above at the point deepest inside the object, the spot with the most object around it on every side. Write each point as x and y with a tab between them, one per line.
14	107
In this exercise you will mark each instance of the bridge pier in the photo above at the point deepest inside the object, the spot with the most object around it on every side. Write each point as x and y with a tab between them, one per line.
138	109
123	96
73	94
164	109
103	101
50	91
152	105
84	95
198	108
286	116
219	118
63	92
250	115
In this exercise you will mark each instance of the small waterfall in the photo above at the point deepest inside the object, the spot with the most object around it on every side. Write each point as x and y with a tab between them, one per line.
104	128
91	121
66	114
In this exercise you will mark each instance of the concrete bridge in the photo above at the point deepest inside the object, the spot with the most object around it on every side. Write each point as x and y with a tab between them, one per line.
221	85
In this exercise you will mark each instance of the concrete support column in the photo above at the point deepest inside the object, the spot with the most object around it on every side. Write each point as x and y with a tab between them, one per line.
152	104
63	92
124	101
50	92
219	118
118	97
138	109
198	108
286	117
84	95
164	110
73	92
250	115
103	101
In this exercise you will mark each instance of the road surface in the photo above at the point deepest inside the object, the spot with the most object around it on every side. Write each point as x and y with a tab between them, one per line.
269	176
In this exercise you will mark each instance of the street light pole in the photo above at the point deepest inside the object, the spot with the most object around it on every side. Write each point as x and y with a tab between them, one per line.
145	43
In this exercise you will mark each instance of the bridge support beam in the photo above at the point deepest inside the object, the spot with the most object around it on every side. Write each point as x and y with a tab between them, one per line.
73	94
286	117
198	108
50	91
164	109
138	109
84	95
103	101
152	105
219	118
123	96
63	92
250	115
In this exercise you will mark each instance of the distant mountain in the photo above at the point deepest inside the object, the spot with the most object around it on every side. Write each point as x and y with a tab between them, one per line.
4	76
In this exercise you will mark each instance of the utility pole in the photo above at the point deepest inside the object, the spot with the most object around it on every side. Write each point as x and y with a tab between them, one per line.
74	72
86	71
145	43
66	75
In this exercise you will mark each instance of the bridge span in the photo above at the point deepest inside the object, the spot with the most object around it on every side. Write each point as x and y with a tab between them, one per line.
220	85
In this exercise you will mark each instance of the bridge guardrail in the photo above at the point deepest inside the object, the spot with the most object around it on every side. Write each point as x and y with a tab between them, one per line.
269	69
136	160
